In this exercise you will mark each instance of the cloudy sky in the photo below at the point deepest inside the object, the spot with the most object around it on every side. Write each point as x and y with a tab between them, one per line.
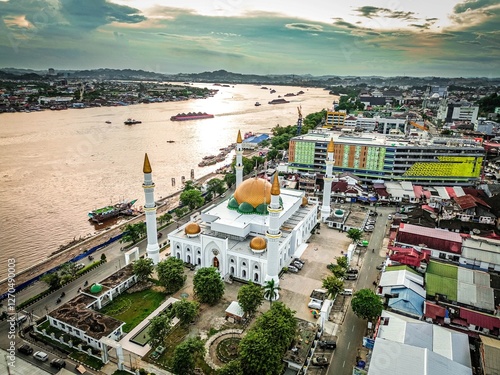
355	37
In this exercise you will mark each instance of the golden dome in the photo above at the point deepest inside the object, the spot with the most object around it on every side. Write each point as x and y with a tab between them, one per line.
238	139
253	191
305	201
330	147
258	243
192	229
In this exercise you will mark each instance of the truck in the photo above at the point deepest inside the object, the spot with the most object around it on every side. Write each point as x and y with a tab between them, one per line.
317	298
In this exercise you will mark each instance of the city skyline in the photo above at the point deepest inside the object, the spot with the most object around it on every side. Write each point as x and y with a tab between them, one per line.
362	37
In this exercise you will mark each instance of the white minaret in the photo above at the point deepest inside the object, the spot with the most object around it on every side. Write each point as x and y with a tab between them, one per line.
273	234
327	186
153	250
239	160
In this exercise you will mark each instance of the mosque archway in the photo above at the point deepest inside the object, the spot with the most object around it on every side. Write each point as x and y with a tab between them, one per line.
215	262
231	271
178	255
188	259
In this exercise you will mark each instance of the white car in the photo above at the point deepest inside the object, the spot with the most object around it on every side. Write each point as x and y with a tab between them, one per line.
41	356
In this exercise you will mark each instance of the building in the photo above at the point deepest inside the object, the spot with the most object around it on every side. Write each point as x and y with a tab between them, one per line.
408	346
369	156
252	234
462	111
335	119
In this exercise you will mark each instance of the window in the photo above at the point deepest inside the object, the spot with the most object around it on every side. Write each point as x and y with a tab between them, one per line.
442	255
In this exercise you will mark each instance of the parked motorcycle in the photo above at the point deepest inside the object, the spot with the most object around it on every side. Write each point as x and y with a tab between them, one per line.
58	300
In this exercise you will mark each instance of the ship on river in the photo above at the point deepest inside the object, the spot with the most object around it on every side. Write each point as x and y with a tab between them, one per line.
108	212
278	101
191	116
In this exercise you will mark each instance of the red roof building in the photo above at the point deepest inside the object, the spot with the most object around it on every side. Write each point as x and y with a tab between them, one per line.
429	238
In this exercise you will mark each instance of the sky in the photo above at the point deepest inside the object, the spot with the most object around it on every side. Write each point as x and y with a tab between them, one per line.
449	38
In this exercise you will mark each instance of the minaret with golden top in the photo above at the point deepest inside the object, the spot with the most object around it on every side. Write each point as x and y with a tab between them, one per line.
239	160
327	186
153	250
273	234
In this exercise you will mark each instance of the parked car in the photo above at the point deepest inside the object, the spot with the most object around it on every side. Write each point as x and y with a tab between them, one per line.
319	361
369	228
327	344
298	265
314	305
41	356
370	222
21	318
351	276
58	363
293	269
299	260
79	266
372	213
25	349
346	292
352	270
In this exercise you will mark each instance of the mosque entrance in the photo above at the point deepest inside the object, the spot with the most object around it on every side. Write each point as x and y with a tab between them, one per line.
216	263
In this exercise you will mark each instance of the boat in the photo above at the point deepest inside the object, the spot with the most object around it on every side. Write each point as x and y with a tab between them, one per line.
278	101
191	116
111	211
108	122
272	91
170	141
257	104
131	121
289	94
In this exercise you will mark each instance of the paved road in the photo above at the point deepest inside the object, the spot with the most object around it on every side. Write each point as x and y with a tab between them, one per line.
352	330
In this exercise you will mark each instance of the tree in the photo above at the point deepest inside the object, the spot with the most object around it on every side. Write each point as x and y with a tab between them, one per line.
337	270
192	198
342	262
68	269
53	280
216	186
165	218
185	311
354	234
103	258
366	304
230	179
181	211
262	349
130	234
171	274
159	327
333	284
208	286
189	185
143	268
259	355
271	290
183	360
250	297
232	368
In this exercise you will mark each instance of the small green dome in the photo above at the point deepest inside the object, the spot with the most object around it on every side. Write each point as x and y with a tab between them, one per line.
96	288
245	208
261	209
232	204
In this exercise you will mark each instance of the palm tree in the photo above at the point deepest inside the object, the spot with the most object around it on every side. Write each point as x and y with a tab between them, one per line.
271	290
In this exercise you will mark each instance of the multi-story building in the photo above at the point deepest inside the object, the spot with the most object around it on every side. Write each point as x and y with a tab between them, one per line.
370	156
460	111
335	119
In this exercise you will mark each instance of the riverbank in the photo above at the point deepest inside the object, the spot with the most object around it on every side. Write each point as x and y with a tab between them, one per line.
167	203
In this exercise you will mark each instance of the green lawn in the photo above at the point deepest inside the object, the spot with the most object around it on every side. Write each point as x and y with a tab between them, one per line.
134	308
87	359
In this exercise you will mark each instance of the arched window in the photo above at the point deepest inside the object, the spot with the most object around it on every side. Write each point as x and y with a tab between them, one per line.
231	270
178	255
177	247
243	264
244	274
256	267
232	260
256	277
198	252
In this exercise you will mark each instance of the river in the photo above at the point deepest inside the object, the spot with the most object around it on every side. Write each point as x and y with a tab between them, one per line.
58	165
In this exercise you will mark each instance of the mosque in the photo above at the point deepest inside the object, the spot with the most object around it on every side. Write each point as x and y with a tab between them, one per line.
252	234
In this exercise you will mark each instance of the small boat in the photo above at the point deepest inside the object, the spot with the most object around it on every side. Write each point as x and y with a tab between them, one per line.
111	211
108	122
132	121
272	91
170	141
257	104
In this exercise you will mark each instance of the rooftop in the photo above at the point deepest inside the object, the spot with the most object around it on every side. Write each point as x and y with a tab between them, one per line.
304	338
76	314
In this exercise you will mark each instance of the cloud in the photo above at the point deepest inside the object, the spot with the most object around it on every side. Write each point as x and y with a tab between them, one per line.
304	26
371	12
472	5
340	22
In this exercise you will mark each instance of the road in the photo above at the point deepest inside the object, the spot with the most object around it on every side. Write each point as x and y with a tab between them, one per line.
352	330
